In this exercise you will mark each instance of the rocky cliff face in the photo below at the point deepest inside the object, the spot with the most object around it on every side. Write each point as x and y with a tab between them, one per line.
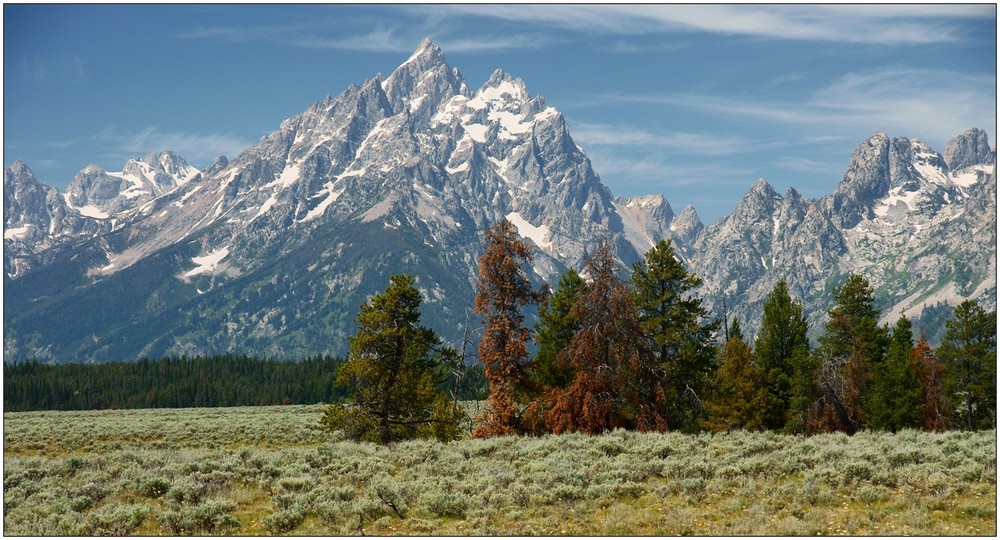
921	231
271	252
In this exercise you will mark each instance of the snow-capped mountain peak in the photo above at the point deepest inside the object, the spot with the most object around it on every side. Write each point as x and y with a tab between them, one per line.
275	249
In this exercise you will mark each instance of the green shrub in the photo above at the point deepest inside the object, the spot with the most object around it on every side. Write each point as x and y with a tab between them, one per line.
154	487
81	503
211	517
285	520
445	503
187	492
114	520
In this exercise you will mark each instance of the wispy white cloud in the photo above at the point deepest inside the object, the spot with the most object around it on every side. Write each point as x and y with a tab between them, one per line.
891	25
194	147
387	35
811	166
642	172
931	104
64	69
588	134
685	143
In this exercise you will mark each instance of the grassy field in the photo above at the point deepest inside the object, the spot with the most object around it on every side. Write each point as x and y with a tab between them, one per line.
271	471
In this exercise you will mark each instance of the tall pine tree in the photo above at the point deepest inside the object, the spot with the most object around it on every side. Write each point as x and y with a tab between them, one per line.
895	399
853	343
672	322
392	370
782	351
932	409
969	354
618	383
555	329
738	399
502	294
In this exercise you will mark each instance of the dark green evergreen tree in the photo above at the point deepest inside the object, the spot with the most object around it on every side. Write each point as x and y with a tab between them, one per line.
391	370
735	330
896	398
852	345
969	355
672	320
738	398
782	351
555	329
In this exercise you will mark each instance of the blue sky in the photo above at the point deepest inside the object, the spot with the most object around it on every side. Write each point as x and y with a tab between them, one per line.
692	101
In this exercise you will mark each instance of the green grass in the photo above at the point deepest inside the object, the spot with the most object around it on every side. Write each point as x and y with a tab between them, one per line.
272	471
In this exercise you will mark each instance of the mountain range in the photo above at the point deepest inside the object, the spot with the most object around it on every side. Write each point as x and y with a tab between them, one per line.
272	252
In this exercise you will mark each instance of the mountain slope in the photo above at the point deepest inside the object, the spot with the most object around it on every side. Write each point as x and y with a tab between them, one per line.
272	252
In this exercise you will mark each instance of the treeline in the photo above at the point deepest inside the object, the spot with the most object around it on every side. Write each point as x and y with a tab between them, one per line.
643	353
226	380
204	381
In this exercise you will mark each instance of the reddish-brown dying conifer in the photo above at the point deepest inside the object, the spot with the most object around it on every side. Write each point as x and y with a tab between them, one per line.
932	384
618	381
501	295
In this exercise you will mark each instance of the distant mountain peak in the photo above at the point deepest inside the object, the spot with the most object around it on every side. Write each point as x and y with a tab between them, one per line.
968	149
19	167
426	49
763	187
423	82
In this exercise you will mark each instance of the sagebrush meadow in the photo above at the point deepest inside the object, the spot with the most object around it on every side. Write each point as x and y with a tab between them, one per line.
273	470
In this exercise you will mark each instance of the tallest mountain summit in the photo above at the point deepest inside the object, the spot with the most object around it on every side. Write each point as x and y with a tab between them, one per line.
423	82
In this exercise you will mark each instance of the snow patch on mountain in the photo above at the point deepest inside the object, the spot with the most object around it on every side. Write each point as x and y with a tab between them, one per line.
16	232
287	177
90	211
538	235
208	263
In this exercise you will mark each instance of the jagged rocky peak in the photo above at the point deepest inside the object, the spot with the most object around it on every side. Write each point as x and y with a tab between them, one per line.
92	185
793	205
645	201
759	203
220	163
18	169
877	165
505	93
687	225
24	195
968	149
168	162
98	193
424	81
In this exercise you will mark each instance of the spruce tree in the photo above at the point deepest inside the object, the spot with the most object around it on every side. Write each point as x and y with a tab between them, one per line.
782	352
738	399
392	370
969	355
895	399
672	322
555	329
852	344
502	294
